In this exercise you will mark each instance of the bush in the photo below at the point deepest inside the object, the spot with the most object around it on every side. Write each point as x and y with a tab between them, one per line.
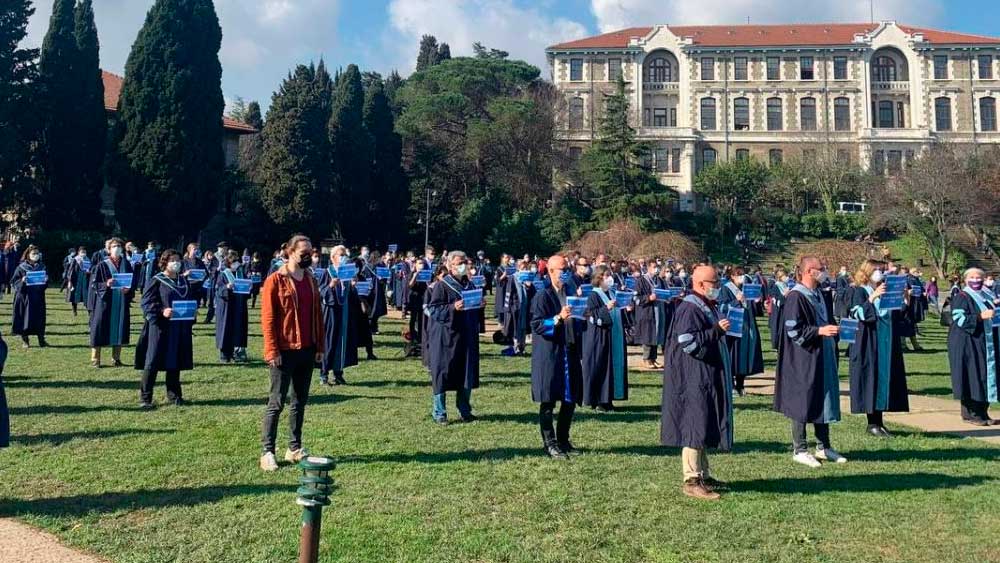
842	226
54	245
836	253
669	244
617	241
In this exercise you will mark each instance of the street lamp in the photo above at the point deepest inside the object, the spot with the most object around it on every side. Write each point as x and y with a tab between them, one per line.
427	217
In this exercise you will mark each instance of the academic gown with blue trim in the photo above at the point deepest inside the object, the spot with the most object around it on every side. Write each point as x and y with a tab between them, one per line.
556	369
231	324
452	338
604	354
973	350
109	316
650	317
29	302
876	368
339	304
164	344
77	278
746	353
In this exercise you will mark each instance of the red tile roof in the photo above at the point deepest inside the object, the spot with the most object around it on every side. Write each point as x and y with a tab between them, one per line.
769	35
113	91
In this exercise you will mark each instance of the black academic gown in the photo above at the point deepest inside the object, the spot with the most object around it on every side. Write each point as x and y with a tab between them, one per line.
164	345
774	321
376	299
973	376
697	405
4	411
648	314
109	317
556	369
746	353
29	302
197	288
231	324
806	388
452	338
513	304
841	297
341	332
597	355
875	337
77	285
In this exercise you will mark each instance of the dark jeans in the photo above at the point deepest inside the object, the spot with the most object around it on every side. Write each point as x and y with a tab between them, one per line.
875	418
295	371
799	436
974	410
373	325
416	325
649	352
550	436
148	383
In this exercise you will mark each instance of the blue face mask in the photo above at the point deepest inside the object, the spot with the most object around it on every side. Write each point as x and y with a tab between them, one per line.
460	270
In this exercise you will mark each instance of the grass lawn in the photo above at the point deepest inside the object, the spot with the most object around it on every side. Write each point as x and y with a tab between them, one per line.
182	484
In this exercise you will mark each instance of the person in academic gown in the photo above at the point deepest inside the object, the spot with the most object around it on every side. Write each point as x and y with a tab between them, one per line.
913	313
401	272
556	368
77	284
453	341
361	315
877	371
12	257
164	344
414	308
65	269
138	261
4	411
231	321
375	301
974	351
807	388
150	263
256	274
337	297
745	352
697	403
650	318
439	274
29	300
842	286
208	286
604	355
514	309
109	318
778	291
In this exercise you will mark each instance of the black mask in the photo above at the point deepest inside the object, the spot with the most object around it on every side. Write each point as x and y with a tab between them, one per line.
305	262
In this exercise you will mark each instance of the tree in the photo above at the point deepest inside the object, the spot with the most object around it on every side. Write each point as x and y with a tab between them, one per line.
169	161
618	185
733	188
431	53
351	150
294	171
387	179
18	76
92	118
938	194
392	85
483	53
251	146
823	175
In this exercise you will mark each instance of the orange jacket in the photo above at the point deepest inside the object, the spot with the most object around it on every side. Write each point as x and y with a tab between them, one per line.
279	315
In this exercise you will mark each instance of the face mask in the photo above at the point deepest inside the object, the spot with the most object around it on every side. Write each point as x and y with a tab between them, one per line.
173	267
790	283
35	257
654	271
876	276
116	252
989	283
976	285
683	274
608	283
712	293
823	276
80	258
220	251
315	261
460	270
534	270
305	261
364	254
234	266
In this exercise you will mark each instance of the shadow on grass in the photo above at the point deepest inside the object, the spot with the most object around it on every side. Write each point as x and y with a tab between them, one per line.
532	417
883	482
88	384
63	437
192	404
81	505
950	454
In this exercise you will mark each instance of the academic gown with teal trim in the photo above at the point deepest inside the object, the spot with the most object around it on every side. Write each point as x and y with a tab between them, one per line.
876	368
231	324
164	344
973	349
745	353
605	366
29	302
109	318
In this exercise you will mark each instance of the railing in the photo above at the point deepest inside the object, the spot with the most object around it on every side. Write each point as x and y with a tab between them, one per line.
894	86
668	86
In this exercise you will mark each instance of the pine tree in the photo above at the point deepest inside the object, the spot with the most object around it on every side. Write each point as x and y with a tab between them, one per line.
392	85
428	55
251	146
169	165
387	179
92	119
18	128
351	159
294	172
443	53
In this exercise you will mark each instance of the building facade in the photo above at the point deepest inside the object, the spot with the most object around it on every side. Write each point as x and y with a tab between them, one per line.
877	94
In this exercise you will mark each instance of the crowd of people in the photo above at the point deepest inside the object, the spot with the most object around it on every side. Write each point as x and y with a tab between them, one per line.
697	323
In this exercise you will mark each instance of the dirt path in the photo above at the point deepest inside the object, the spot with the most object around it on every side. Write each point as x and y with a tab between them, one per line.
20	543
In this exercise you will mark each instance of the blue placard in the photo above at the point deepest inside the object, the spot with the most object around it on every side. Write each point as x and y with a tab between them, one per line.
36	278
511	270
630	283
135	258
752	291
85	265
586	289
393	248
848	330
424	276
246	259
364	288
472	299
183	310
624	298
565	277
150	254
524	277
892	299
895	283
347	272
242	286
667	294
539	285
382	272
478	281
317	273
122	281
917	290
255	277
196	275
790	283
578	306
735	318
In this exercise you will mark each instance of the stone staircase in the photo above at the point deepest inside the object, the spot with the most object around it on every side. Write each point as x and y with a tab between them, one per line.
966	241
784	256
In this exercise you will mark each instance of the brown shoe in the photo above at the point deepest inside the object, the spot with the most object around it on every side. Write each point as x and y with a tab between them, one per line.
714	484
696	488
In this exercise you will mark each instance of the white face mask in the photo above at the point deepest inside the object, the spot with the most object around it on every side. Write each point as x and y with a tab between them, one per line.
607	283
234	266
460	270
173	267
116	252
712	293
534	270
877	276
35	256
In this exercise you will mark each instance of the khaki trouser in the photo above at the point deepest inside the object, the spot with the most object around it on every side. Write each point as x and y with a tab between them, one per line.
116	354
695	463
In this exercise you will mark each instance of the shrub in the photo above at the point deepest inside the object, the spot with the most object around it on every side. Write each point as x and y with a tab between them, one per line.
669	244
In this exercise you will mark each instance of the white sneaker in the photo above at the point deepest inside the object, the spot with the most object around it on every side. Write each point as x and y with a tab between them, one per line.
807	459
295	456
268	462
831	455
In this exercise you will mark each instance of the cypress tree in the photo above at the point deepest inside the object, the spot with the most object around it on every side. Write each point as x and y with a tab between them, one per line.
169	162
351	158
427	57
443	53
92	119
387	180
252	146
18	128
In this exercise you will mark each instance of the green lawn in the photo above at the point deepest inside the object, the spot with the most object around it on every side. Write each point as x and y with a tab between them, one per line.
181	484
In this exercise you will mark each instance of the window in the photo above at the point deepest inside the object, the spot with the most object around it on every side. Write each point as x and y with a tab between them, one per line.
807	111
740	68
775	157
741	114
574	154
942	114
742	154
708	158
614	70
841	114
843	156
659	117
708	114
878	162
806	68
985	67
988	114
576	113
660	162
576	69
940	67
675	160
900	115
673	117
895	162
707	68
884	69
647	117
774	121
773	68
840	68
885	114
659	70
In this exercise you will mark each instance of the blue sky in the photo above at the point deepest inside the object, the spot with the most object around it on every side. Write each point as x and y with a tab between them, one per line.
264	39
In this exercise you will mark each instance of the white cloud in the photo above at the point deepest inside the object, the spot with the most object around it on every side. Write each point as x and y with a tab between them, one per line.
519	28
616	14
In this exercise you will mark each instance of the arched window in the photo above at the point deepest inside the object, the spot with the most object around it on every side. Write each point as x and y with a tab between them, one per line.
708	114
807	114
988	114
660	70
741	114
774	116
576	113
842	114
884	69
942	114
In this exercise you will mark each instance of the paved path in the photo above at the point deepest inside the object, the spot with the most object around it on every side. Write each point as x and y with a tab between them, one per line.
20	543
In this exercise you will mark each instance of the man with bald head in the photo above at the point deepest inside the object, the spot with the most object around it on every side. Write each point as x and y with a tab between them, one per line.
697	411
806	386
556	369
